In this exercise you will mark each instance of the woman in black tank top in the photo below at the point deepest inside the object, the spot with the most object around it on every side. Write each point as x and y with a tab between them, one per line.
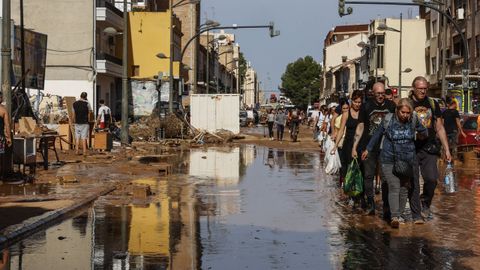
348	126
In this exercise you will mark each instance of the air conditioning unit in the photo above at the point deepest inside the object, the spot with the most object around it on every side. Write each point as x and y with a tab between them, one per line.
460	14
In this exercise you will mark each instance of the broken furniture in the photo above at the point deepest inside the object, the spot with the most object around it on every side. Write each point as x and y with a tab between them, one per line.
47	142
102	140
24	153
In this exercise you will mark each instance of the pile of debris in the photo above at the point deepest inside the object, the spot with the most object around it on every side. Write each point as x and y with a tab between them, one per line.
152	128
220	136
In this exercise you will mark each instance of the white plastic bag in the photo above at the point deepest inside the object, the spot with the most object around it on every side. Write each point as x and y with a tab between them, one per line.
333	163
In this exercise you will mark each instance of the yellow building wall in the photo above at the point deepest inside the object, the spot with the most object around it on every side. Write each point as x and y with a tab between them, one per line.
150	225
149	34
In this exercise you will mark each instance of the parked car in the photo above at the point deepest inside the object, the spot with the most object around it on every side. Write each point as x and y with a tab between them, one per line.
472	141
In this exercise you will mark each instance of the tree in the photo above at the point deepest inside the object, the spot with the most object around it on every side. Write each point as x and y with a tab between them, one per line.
301	81
242	68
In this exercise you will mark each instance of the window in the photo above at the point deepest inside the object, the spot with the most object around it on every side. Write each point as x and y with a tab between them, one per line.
434	28
380	51
434	65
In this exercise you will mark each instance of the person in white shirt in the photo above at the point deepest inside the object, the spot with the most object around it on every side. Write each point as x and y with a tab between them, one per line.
104	115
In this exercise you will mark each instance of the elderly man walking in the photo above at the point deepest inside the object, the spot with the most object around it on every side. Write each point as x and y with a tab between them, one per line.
428	149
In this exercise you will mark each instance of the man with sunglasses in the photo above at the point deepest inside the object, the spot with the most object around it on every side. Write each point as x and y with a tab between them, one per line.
428	149
371	115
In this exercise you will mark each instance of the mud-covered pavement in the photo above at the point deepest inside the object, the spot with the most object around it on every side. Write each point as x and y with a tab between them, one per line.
248	207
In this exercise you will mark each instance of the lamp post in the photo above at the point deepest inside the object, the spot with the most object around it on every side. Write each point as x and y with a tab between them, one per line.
172	47
125	127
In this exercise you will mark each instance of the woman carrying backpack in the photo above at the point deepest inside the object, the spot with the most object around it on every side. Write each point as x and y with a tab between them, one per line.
397	134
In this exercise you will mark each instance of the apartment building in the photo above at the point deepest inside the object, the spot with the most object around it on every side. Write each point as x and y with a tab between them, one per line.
385	59
341	58
442	37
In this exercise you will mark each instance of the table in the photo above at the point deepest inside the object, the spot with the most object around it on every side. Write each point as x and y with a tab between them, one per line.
47	140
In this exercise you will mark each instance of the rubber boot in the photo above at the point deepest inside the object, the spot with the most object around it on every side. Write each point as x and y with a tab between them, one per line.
370	206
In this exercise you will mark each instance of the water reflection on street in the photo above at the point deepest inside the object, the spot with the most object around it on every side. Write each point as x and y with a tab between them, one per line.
252	208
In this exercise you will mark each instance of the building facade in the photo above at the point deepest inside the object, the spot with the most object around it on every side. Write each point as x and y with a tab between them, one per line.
445	50
341	58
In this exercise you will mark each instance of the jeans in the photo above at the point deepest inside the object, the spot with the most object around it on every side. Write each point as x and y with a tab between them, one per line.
399	191
270	129
280	129
397	194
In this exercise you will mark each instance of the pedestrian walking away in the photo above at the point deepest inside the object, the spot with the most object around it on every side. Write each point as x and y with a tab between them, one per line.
451	122
104	118
428	149
81	114
371	115
396	134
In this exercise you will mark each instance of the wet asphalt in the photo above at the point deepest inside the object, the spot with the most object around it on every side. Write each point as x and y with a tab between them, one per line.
251	207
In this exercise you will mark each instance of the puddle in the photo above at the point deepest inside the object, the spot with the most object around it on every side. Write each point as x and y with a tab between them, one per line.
251	208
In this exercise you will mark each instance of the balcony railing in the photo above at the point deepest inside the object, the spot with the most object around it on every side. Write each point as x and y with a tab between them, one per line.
110	6
110	58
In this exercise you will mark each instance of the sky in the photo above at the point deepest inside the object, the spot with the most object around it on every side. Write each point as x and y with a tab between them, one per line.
303	25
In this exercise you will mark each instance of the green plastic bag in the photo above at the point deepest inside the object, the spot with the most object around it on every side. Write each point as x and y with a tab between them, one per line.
353	180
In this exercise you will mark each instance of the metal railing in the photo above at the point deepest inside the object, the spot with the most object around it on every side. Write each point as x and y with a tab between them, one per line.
109	57
109	5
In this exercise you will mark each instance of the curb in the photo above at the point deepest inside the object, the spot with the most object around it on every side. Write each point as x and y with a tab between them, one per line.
29	226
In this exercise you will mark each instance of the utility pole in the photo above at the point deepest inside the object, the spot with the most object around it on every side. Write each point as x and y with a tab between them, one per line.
6	55
444	53
400	57
7	165
124	132
172	47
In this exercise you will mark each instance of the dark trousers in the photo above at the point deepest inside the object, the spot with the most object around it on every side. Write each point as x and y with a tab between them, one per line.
370	171
427	166
270	129
280	129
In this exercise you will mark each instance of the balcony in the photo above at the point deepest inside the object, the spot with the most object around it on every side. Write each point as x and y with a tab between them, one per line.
109	64
109	15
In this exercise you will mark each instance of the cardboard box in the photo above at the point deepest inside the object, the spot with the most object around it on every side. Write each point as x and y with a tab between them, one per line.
64	129
103	141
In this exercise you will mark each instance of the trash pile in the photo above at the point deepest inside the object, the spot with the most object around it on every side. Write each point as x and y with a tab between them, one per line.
220	136
152	128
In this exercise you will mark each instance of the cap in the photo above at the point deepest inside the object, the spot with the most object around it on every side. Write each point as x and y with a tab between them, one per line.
331	105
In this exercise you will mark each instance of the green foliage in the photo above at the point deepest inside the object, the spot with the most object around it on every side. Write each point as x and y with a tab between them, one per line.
242	68
301	80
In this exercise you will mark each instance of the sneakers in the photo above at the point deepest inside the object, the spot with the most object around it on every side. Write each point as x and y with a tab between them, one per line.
427	213
395	223
419	221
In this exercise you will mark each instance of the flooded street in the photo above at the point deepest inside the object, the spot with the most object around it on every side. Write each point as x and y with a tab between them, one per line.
251	207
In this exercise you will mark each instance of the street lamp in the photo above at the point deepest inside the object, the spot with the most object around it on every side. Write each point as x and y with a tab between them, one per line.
172	47
384	27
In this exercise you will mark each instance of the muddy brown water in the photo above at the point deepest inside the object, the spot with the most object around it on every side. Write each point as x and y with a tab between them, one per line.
253	208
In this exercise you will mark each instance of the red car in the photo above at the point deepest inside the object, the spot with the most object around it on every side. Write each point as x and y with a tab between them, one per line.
472	141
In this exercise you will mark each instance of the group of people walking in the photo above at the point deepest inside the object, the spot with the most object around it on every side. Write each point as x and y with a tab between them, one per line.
281	118
395	140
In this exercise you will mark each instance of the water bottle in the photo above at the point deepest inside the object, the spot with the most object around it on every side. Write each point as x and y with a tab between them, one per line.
449	180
